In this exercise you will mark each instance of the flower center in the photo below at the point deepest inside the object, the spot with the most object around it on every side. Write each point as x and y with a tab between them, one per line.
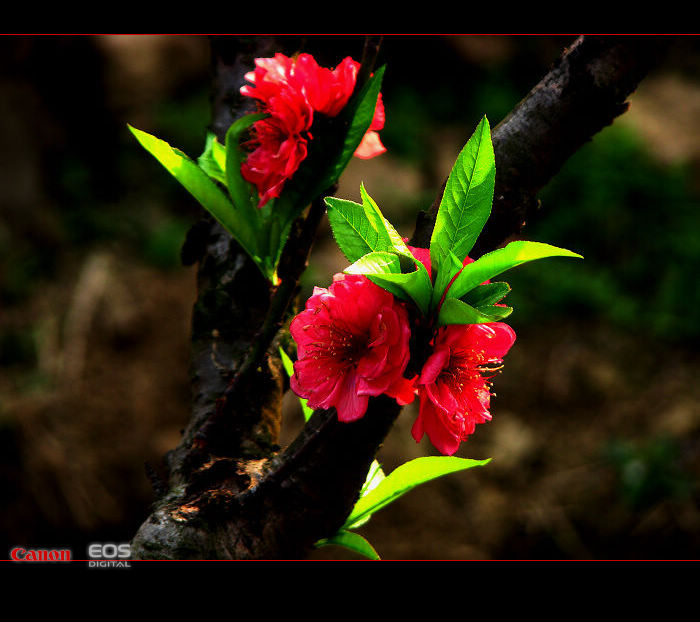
341	345
467	366
346	346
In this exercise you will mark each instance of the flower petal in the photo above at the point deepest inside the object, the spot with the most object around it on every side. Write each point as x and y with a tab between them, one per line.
403	390
370	146
352	343
432	423
348	403
436	362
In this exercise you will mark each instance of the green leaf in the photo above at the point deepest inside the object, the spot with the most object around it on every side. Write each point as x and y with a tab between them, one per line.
373	213
374	477
450	268
289	368
374	247
277	229
379	262
202	188
351	541
498	261
415	286
287	362
466	203
497	312
353	231
405	478
386	231
454	311
213	159
486	294
361	229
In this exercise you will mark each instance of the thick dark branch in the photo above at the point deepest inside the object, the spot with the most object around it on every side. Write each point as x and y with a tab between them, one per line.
233	296
312	487
219	433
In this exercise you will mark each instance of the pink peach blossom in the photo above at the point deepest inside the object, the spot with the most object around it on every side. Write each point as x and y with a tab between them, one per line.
352	343
453	391
291	90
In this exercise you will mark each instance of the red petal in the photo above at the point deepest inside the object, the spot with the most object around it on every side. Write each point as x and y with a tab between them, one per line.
370	146
349	405
433	423
495	338
436	362
403	390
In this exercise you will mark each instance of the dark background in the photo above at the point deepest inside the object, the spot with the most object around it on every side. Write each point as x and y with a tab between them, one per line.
595	437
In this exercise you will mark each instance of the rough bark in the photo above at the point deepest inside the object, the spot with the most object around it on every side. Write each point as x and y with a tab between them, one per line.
230	493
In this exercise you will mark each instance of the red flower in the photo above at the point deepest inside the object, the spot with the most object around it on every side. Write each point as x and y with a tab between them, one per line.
352	342
281	147
326	90
291	90
454	394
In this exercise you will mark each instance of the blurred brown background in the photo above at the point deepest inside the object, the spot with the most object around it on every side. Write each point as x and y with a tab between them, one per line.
595	437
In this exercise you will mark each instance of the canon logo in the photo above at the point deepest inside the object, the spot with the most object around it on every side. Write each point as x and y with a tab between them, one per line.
20	554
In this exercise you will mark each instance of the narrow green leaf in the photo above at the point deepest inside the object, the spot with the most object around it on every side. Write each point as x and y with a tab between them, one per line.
415	286
405	478
486	294
454	311
497	312
218	154
287	362
289	368
277	232
353	231
373	213
213	159
379	262
374	477
466	203
351	541
397	241
202	188
498	261
386	232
